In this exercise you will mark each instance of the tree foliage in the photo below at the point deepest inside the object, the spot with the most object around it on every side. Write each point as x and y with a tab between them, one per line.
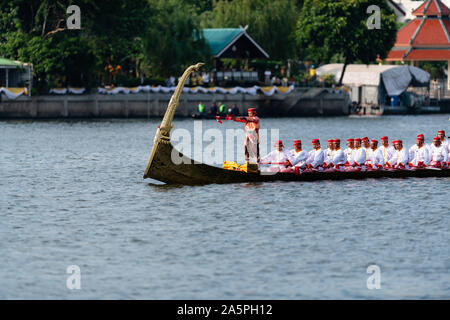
270	23
35	31
130	39
173	39
330	27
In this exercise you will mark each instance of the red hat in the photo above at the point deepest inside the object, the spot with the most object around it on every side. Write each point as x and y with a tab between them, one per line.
441	131
358	139
436	139
331	140
296	142
350	140
365	138
316	141
278	143
374	141
420	136
337	140
252	110
397	141
384	138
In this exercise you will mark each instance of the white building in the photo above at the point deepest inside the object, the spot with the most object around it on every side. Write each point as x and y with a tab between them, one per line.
374	85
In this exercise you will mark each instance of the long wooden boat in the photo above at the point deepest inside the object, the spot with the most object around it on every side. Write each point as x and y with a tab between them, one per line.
160	166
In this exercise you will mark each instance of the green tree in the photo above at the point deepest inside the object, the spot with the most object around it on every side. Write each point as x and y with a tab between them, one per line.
173	39
35	31
115	29
270	23
200	5
329	27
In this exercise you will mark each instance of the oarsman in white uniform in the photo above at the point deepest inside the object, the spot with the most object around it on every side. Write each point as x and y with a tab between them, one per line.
401	156
349	151
297	157
375	157
439	156
328	153
413	148
365	145
444	141
359	157
418	153
276	158
387	151
339	159
316	156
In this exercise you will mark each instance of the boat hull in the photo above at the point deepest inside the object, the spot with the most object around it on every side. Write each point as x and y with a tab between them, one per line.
188	172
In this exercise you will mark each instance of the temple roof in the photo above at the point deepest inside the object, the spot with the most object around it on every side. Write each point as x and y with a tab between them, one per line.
232	43
432	8
427	37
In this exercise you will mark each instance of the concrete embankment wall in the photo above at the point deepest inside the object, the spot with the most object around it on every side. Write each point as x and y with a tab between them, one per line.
146	105
445	105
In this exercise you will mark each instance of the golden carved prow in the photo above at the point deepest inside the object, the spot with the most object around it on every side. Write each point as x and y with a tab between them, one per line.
163	132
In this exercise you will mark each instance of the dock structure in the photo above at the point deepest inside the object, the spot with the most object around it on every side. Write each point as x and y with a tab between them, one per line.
301	102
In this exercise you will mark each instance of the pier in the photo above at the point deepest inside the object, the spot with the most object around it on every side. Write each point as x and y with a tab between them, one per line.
301	102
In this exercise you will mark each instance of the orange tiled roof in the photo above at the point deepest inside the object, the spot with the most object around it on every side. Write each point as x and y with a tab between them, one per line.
431	33
425	38
447	25
395	55
432	8
406	33
428	55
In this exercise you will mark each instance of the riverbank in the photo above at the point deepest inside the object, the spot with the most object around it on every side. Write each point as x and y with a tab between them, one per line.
301	102
314	102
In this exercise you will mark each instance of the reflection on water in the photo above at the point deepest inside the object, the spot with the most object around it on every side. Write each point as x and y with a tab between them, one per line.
72	193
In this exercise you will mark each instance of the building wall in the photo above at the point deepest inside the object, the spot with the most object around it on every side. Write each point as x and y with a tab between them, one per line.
142	105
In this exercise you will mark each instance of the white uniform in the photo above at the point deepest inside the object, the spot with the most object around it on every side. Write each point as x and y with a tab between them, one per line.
298	159
359	157
417	155
448	148
276	157
387	153
438	154
316	158
328	153
338	157
412	151
428	146
375	157
401	157
446	145
366	151
349	154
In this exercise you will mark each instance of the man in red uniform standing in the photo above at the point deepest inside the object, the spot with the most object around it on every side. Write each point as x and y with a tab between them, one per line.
251	135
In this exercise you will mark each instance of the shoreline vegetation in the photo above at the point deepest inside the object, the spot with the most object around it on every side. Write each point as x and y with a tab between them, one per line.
149	42
145	42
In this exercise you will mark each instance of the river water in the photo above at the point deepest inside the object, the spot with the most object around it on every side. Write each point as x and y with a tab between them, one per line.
72	193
